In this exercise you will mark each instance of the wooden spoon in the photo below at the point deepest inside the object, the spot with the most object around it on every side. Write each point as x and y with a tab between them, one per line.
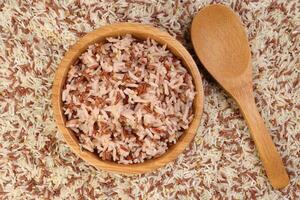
220	42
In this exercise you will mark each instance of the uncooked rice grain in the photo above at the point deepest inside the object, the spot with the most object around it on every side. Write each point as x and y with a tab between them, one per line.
128	100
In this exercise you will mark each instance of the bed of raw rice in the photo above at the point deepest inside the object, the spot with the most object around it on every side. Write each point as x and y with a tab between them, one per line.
221	163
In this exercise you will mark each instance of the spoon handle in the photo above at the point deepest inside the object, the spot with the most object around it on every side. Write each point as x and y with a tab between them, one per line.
271	159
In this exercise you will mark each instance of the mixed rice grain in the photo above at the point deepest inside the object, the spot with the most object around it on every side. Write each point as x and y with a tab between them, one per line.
128	100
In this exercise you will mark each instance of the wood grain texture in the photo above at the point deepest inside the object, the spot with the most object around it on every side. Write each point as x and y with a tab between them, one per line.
221	44
142	32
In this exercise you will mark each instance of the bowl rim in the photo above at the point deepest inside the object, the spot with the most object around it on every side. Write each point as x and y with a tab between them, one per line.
141	31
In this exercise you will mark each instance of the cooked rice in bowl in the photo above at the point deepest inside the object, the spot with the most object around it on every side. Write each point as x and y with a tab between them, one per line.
128	100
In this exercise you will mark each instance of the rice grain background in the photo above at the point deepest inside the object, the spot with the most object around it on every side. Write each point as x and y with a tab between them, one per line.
221	163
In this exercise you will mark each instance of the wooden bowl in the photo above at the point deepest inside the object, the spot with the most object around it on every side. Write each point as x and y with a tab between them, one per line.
142	32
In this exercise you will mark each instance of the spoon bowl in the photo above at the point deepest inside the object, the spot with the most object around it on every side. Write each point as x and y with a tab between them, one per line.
227	53
221	43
